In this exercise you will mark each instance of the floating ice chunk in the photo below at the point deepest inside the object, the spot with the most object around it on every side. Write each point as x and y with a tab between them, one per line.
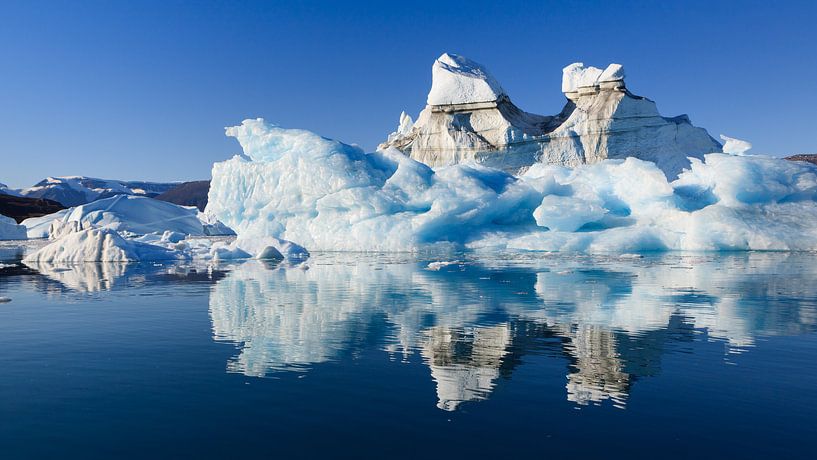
270	253
228	252
9	230
99	245
258	245
735	146
459	80
133	214
436	266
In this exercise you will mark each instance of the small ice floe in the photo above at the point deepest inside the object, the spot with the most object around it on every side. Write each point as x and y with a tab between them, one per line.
628	256
436	266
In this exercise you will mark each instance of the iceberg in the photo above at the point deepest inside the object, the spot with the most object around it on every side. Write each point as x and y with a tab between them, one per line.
469	117
326	195
323	194
133	214
98	245
9	230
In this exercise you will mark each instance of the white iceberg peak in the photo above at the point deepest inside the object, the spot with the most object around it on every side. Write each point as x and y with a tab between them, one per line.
735	146
404	128
577	76
459	80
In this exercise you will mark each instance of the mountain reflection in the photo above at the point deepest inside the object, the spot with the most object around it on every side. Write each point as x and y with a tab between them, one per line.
611	320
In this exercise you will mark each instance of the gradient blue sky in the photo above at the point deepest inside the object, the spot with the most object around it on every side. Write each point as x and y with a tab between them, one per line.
143	90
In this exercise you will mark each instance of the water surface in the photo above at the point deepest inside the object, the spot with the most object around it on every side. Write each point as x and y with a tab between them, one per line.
374	354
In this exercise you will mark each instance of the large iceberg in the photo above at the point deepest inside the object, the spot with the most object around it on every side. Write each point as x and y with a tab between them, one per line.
469	117
326	195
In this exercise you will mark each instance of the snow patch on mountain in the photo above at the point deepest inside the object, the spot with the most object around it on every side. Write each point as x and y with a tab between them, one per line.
77	190
5	190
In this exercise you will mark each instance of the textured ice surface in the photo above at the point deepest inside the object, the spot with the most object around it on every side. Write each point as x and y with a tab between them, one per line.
99	245
459	80
9	230
134	214
735	146
326	195
600	120
577	76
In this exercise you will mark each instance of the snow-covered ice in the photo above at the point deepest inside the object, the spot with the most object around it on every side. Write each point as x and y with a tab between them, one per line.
459	80
99	245
326	195
735	146
133	214
577	76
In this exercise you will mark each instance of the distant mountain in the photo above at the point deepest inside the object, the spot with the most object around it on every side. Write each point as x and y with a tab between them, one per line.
5	190
188	194
20	208
810	157
77	190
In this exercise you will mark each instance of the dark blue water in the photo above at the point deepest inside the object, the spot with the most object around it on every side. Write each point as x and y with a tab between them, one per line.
374	355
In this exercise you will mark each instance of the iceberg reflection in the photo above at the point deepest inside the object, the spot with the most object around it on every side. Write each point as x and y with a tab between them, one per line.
473	322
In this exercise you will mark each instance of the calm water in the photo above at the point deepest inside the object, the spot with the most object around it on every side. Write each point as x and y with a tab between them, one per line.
375	355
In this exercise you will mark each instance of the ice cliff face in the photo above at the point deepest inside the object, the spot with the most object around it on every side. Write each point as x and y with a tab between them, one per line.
327	195
469	117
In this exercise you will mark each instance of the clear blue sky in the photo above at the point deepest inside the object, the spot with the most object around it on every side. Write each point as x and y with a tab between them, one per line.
143	90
